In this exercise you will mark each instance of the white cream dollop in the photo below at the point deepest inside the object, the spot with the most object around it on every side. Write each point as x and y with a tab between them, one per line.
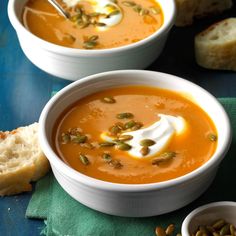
103	7
161	132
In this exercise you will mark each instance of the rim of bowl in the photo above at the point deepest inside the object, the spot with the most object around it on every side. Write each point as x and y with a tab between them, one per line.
96	183
192	214
167	24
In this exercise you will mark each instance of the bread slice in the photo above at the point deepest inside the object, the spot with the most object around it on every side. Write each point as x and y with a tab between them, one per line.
215	47
187	10
21	160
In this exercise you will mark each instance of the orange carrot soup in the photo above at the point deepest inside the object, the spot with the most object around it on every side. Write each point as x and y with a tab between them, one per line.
93	24
135	135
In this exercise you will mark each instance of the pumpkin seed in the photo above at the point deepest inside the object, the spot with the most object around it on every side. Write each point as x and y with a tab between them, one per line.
65	138
123	146
147	142
129	3
170	229
212	137
155	10
113	13
143	12
84	159
160	231
130	124
108	100
225	230
106	157
114	130
137	8
166	156
79	139
116	164
144	151
88	145
124	115
106	144
218	224
100	24
120	125
125	137
137	126
232	229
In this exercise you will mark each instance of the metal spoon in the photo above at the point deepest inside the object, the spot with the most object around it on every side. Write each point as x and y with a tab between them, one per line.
59	8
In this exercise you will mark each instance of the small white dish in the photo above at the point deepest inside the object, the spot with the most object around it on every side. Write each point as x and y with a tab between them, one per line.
73	63
208	214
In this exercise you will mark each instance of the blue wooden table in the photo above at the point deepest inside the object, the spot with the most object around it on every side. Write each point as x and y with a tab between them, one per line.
25	89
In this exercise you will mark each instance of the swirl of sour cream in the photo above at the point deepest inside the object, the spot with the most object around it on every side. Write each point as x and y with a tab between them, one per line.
161	132
105	7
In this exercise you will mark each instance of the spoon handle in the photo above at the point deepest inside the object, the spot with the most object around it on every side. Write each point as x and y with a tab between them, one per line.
59	8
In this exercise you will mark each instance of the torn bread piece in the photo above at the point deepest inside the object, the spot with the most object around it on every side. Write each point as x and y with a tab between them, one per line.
21	160
215	47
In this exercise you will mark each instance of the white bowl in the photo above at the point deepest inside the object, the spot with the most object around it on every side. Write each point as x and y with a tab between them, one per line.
207	214
72	64
133	199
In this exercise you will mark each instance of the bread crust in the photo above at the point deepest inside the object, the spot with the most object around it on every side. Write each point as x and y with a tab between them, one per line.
215	47
188	10
21	160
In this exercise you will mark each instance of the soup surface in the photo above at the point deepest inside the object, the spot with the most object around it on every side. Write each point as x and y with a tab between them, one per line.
94	135
93	24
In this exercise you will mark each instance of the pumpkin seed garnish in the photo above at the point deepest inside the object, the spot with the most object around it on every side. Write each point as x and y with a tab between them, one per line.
170	229
120	125
106	144
84	159
106	157
123	146
137	8
79	139
137	126
125	137
129	124
147	142
88	145
65	138
166	156
100	24
144	150
143	12
212	137
125	115
116	164
129	3
155	10
91	42
108	100
113	13
114	130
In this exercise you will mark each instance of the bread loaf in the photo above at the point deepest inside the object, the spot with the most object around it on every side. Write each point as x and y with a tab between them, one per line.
21	160
187	10
215	47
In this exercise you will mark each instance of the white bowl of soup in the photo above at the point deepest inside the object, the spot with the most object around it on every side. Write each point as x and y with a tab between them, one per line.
134	143
99	35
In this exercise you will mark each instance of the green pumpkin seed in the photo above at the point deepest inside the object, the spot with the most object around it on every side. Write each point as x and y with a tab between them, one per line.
120	125
106	144
137	8
114	130
144	151
143	12
106	157
218	224
79	139
100	24
232	229
155	10
123	146
212	137
109	100
65	138
137	126
113	13
160	231
89	44
125	137
166	156
84	159
116	164
129	3
147	142
124	115
130	124
170	229
225	230
88	145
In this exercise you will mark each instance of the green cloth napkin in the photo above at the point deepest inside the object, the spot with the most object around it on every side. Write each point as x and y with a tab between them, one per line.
65	216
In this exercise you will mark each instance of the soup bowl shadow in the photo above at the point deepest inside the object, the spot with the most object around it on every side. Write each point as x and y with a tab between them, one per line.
134	200
73	64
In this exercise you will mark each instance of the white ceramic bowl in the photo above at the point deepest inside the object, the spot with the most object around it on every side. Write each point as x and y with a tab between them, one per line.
133	199
72	64
207	214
